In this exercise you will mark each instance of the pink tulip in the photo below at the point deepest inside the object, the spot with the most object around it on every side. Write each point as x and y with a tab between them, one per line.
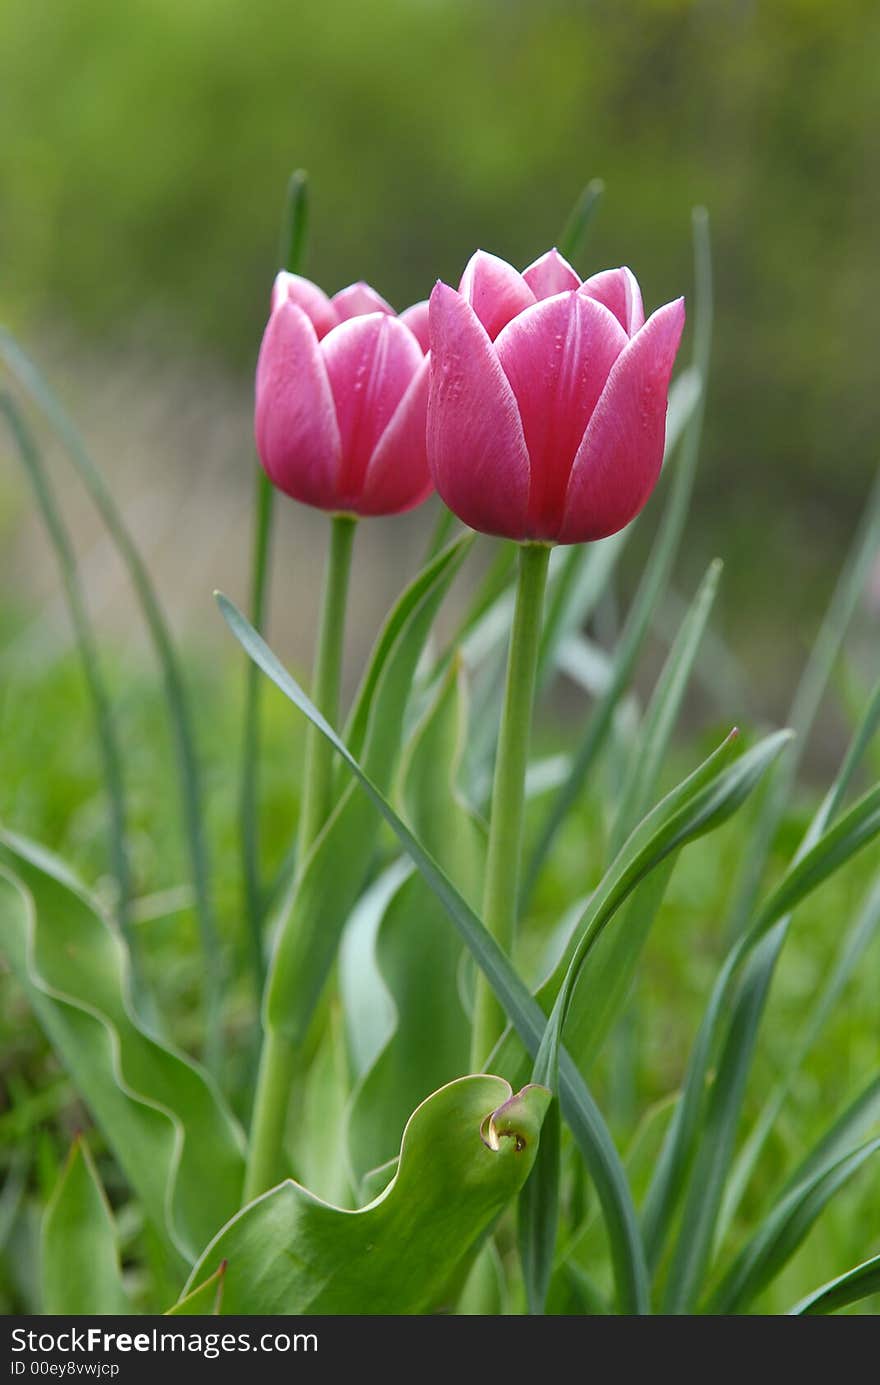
547	406
341	398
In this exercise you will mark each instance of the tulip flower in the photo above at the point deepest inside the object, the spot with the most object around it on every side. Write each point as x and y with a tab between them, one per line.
547	408
341	398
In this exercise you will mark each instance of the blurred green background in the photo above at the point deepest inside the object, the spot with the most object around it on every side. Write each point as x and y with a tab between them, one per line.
146	146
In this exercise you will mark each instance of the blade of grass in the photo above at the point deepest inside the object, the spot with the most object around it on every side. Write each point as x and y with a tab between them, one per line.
760	947
824	1171
851	949
87	647
662	712
34	385
856	1284
292	251
716	1147
805	706
578	1107
574	234
657	571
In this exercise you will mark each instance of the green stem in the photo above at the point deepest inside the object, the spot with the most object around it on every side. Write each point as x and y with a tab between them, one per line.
508	791
249	787
277	1069
279	1057
318	774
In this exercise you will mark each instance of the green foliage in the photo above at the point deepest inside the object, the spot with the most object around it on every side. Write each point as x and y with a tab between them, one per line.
161	1115
465	1153
80	1259
368	1002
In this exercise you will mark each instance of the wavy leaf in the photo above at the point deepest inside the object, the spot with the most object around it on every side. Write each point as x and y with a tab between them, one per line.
162	1116
465	1153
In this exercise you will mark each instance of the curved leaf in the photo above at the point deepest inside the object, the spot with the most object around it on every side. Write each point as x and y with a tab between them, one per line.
856	1284
178	1146
465	1153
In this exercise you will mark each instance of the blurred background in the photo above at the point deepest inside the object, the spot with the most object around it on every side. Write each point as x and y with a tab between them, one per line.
144	156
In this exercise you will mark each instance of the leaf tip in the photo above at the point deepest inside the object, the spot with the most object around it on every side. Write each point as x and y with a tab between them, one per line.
518	1119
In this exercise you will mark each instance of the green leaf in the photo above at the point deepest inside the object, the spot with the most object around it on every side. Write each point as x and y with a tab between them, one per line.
538	1214
716	1153
608	971
295	223
573	237
805	706
177	1144
465	1153
105	726
681	817
176	696
578	1107
415	952
702	802
852	949
320	1134
388	640
206	1300
856	1284
333	873
780	1233
79	1254
646	761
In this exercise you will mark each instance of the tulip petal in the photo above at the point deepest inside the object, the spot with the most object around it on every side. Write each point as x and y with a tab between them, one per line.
495	291
295	421
370	362
293	288
557	357
416	319
397	477
619	460
619	290
357	300
476	448
551	274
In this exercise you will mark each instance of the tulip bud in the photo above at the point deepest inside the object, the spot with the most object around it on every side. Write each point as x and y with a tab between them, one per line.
341	399
547	406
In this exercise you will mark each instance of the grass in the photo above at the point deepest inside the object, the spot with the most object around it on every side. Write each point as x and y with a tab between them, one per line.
51	790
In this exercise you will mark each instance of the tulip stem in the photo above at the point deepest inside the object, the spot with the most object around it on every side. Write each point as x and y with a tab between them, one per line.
508	791
279	1056
317	776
